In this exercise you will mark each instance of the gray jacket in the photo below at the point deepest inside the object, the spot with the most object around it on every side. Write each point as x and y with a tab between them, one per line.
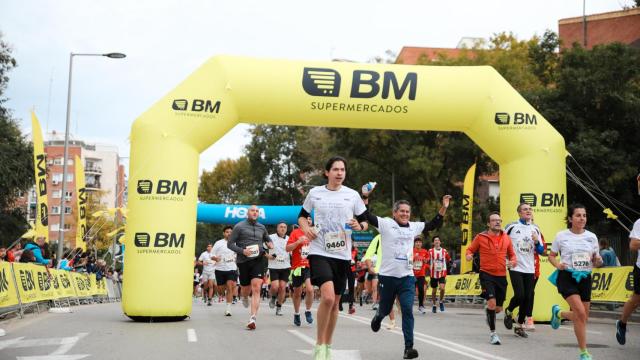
247	233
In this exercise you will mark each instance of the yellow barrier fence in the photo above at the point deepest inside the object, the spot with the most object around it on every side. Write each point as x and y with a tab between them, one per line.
27	283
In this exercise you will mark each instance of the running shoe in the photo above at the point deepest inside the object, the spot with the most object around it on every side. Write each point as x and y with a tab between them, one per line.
252	323
391	325
272	302
296	320
320	352
279	311
585	356
621	335
227	313
434	309
421	310
494	339
519	331
235	300
508	320
555	317
441	306
410	353
352	309
375	323
375	306
361	298
245	301
209	303
309	318
529	324
328	354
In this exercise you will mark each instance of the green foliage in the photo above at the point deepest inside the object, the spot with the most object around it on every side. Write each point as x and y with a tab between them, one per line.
16	158
230	182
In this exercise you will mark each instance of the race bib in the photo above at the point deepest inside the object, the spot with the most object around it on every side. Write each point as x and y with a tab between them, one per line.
254	249
581	261
304	251
438	265
229	259
417	265
280	259
335	242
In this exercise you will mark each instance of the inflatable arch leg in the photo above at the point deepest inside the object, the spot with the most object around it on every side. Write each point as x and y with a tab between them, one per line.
167	140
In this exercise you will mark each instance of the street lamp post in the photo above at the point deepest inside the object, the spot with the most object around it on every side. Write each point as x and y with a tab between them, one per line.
66	146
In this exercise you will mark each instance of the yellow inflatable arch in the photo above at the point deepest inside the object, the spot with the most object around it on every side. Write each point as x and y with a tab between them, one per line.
166	142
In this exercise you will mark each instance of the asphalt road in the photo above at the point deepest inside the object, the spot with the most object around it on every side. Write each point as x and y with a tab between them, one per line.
101	331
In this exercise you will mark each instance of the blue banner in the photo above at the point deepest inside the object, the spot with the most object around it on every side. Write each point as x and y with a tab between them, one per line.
232	214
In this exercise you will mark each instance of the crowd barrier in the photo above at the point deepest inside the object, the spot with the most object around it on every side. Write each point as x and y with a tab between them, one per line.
608	285
23	284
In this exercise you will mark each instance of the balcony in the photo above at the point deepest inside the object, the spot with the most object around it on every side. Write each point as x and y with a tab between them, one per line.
92	169
92	185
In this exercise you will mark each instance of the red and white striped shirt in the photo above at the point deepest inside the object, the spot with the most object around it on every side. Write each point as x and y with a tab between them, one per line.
438	260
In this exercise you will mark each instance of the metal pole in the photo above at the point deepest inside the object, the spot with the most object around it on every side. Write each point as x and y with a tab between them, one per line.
584	22
64	164
115	220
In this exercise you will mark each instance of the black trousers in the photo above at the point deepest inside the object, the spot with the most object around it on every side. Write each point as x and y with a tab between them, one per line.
522	284
420	284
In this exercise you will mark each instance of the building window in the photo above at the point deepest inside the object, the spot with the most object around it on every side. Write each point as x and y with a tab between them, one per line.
67	210
69	161
56	194
56	178
67	226
57	161
67	195
69	177
55	210
54	227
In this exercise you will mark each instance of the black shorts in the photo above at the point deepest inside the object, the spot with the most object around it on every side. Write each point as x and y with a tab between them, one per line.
568	286
325	269
196	283
223	276
297	281
493	287
252	269
279	274
435	281
370	276
636	280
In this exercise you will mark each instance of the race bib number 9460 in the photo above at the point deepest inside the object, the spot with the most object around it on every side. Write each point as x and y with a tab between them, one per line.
335	242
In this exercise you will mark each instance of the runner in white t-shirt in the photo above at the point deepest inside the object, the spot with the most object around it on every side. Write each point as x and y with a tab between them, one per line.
634	301
226	268
395	275
279	267
579	254
208	273
335	210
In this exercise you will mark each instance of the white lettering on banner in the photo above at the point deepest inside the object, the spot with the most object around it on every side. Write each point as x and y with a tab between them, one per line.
241	213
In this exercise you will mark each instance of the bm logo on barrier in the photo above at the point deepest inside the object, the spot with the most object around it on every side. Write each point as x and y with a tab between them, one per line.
503	118
160	240
546	200
365	84
197	105
164	187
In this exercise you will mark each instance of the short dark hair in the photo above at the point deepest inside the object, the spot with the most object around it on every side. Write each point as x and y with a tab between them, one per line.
521	205
334	159
227	227
396	205
435	237
493	213
604	242
282	222
571	209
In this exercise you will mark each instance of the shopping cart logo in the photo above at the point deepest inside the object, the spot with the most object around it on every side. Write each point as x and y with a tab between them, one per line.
529	198
144	186
180	104
142	239
321	82
502	118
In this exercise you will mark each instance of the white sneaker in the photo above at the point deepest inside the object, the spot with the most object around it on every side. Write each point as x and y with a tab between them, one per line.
245	301
421	310
529	324
391	325
228	311
494	339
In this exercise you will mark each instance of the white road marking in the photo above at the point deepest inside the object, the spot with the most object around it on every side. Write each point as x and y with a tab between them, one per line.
8	343
335	354
68	344
191	335
588	331
435	341
53	357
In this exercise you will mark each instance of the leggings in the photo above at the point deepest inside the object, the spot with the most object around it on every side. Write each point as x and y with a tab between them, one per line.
533	295
420	284
522	284
351	280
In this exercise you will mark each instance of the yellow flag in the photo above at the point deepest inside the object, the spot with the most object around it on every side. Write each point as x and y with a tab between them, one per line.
81	229
40	167
467	216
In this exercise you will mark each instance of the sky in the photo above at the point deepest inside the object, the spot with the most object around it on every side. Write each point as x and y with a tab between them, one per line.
166	40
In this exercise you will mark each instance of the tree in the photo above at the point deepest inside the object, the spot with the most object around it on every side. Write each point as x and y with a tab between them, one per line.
16	158
98	227
230	182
